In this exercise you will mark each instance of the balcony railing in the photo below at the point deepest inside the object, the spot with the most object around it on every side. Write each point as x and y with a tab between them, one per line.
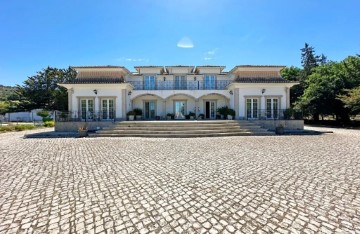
182	85
268	114
84	116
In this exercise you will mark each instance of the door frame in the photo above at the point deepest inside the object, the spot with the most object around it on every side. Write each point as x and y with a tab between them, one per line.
215	108
180	100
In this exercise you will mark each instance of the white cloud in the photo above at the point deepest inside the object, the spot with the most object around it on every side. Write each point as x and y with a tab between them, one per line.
207	58
132	59
212	52
209	55
186	43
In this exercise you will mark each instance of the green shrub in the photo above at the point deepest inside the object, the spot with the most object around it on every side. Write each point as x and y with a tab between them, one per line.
23	127
47	119
43	113
137	111
7	128
49	124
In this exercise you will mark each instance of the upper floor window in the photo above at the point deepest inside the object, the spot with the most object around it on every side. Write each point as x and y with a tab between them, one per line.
180	82
210	82
149	82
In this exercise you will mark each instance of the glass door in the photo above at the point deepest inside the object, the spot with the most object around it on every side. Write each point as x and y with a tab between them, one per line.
107	107
149	82
252	108
87	109
210	109
180	82
272	108
180	108
209	82
149	110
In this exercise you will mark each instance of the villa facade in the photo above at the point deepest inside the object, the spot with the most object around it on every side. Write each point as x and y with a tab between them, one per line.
110	92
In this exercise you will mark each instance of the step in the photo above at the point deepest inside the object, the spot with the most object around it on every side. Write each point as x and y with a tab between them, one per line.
170	131
182	135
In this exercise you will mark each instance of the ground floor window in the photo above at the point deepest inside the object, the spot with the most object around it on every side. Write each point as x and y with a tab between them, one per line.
180	109
149	109
272	108
87	108
252	108
107	109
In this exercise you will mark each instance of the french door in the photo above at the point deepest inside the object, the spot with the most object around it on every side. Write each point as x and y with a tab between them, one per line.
87	109
180	109
272	108
107	107
210	109
210	82
149	109
149	82
180	82
252	108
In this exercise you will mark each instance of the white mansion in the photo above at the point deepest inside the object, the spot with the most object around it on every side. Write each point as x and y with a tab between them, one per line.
109	92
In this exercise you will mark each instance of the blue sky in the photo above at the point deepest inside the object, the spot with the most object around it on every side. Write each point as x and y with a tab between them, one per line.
40	33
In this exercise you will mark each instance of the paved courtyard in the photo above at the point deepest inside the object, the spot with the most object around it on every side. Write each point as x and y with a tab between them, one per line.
286	184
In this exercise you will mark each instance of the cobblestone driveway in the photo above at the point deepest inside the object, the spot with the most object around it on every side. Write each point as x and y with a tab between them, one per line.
288	184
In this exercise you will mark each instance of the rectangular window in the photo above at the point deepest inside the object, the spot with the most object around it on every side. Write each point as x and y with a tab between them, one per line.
180	82
272	108
107	107
87	108
252	108
209	82
149	82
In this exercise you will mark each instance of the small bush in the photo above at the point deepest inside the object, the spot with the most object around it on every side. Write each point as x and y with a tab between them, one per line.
49	124
23	127
43	113
47	119
7	128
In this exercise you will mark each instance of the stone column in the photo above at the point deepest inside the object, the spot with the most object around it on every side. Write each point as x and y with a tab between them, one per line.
123	101
262	106
236	103
287	89
97	107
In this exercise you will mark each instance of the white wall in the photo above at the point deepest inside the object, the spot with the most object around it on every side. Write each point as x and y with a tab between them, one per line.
256	92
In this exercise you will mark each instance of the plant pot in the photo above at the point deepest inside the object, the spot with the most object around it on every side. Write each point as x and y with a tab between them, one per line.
230	117
138	117
83	133
192	117
222	117
279	130
168	117
131	117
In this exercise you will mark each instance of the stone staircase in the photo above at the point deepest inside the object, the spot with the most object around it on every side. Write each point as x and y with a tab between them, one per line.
182	129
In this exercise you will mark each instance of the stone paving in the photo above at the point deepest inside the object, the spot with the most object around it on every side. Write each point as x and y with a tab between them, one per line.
269	184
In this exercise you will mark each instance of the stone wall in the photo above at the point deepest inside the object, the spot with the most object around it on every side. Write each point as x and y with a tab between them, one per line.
74	126
288	124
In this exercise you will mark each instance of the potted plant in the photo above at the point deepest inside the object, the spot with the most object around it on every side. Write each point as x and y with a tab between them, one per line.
169	116
223	111
280	129
230	113
187	116
201	116
83	131
131	115
138	113
192	115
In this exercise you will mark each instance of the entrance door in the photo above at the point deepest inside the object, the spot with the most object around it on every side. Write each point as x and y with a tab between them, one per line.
210	110
252	108
180	108
87	109
272	108
149	110
107	107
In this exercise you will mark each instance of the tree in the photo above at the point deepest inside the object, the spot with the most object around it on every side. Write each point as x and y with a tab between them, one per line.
293	74
308	59
4	107
42	91
352	100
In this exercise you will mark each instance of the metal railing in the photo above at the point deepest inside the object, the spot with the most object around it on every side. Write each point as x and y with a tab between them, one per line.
181	85
269	114
84	116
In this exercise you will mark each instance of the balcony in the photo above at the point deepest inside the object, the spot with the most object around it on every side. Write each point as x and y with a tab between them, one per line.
183	85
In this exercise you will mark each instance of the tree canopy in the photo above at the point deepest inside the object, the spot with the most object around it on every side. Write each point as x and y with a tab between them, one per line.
42	91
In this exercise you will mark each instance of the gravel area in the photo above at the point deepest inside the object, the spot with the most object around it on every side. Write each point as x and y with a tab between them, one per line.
260	184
